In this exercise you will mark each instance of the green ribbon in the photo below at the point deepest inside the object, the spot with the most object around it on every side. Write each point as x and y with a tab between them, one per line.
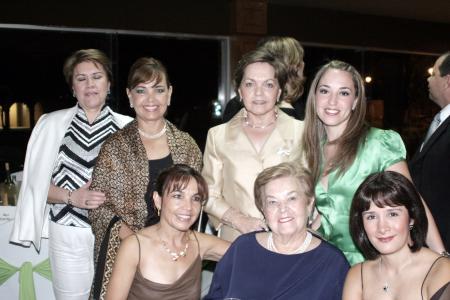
26	282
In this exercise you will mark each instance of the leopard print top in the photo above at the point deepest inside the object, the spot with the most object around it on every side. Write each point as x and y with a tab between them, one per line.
121	172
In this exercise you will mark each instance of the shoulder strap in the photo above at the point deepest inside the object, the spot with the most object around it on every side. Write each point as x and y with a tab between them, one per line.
362	279
139	247
198	244
426	276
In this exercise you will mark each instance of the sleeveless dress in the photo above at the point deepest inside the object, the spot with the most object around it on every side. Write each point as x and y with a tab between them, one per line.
442	294
186	287
381	149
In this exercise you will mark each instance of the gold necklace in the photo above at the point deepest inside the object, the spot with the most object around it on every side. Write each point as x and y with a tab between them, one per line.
175	255
155	135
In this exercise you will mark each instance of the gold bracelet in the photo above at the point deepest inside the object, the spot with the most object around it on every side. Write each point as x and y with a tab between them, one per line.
69	201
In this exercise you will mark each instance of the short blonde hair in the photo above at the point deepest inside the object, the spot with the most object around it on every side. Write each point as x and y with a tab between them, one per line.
95	56
291	53
286	169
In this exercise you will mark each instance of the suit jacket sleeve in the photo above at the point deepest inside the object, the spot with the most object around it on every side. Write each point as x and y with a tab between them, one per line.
213	174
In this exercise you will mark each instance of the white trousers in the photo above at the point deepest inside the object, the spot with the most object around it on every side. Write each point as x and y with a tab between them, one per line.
71	252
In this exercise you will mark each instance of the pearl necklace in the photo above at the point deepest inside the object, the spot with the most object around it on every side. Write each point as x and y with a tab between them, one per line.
248	124
153	136
301	249
175	255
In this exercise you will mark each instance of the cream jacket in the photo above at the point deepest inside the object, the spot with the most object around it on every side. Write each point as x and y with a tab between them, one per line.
231	165
32	211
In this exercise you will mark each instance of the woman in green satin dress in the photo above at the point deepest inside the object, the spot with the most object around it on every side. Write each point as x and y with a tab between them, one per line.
341	150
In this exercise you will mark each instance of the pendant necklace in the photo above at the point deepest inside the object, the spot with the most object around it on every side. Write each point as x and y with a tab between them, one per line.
301	249
153	136
386	286
175	255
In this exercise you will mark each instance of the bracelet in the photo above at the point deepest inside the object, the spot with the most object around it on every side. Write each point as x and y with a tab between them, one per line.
69	201
445	254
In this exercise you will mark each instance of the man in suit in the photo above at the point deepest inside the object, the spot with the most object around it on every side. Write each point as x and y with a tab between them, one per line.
430	165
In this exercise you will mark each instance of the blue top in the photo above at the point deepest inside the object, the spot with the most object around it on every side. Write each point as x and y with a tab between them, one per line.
249	271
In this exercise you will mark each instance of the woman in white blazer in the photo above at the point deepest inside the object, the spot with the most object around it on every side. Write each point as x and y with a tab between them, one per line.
54	198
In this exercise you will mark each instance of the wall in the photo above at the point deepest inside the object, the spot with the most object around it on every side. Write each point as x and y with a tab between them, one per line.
214	17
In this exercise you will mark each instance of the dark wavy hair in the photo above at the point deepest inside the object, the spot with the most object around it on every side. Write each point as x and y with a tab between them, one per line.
387	189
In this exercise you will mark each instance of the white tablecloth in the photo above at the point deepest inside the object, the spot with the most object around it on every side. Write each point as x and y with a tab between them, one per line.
16	256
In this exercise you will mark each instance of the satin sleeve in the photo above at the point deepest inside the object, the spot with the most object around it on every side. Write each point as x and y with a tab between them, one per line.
388	147
212	171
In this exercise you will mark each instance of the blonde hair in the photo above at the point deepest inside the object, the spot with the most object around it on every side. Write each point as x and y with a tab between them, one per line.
314	134
97	57
291	53
286	169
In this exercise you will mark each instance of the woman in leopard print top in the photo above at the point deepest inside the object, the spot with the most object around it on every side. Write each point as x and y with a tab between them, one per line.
129	162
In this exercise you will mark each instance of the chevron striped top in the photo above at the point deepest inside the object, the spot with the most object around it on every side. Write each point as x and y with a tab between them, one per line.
76	159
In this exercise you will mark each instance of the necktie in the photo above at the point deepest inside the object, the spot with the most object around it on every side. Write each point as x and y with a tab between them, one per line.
433	126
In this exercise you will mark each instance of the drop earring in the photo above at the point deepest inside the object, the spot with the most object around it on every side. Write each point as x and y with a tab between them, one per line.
131	105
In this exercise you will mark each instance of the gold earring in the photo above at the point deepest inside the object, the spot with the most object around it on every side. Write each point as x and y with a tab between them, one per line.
158	211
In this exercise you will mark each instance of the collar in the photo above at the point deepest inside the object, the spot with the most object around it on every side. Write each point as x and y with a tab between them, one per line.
444	113
82	114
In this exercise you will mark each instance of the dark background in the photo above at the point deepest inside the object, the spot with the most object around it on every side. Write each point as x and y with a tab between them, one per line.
36	37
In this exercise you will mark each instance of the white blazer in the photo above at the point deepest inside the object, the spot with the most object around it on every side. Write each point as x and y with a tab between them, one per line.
32	211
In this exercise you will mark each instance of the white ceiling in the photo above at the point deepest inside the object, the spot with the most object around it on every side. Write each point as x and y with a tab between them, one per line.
422	10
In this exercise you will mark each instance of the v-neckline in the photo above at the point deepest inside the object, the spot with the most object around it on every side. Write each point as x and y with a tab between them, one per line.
185	273
263	145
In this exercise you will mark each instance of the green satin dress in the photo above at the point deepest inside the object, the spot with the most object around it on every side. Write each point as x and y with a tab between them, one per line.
381	149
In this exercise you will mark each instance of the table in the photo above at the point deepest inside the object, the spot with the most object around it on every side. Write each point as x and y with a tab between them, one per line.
17	255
